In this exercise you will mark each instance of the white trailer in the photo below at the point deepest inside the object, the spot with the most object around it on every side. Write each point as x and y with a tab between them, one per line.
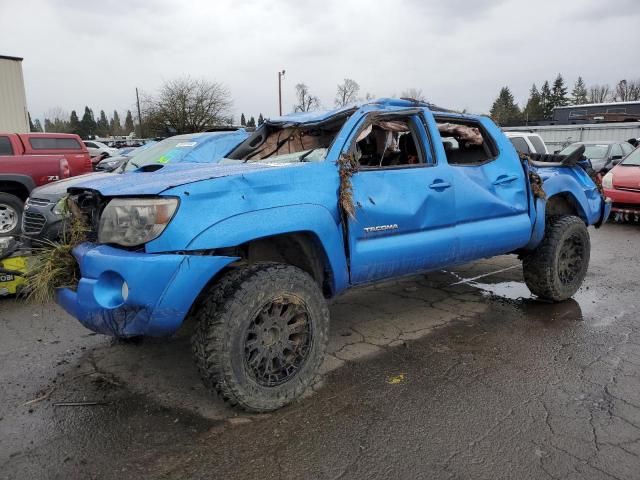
13	99
558	136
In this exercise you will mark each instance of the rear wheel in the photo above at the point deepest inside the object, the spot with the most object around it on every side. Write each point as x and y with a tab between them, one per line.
10	215
557	267
261	335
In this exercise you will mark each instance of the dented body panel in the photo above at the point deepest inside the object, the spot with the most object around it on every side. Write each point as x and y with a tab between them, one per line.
406	220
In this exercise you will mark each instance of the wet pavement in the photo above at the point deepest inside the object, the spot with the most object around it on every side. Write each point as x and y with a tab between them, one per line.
455	374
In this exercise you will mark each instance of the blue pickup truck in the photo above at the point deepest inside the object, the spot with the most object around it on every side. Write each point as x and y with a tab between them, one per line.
306	207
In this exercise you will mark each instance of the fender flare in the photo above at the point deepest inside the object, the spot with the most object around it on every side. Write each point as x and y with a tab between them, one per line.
303	218
560	186
24	180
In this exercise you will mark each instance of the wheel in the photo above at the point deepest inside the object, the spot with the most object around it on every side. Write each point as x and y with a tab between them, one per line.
261	335
10	215
556	268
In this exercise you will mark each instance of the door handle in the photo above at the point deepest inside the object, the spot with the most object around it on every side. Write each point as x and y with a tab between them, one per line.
437	185
502	179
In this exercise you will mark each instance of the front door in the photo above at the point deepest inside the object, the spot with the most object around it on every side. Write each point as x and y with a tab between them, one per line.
403	198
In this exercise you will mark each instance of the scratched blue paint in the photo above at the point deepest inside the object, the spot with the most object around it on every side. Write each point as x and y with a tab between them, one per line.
486	210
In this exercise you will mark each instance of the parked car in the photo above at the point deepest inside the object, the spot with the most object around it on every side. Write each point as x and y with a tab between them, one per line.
20	173
306	207
68	145
99	149
622	186
604	155
124	154
527	142
44	211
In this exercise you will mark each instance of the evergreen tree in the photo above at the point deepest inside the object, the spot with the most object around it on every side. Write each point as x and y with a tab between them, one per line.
533	110
74	123
87	124
37	126
48	126
545	100
251	123
31	126
579	93
559	93
260	119
243	121
115	126
504	109
102	128
128	123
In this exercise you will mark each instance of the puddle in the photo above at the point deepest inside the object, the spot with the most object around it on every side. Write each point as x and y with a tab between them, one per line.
508	290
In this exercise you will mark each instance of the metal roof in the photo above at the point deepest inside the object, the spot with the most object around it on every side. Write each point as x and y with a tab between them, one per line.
609	104
7	57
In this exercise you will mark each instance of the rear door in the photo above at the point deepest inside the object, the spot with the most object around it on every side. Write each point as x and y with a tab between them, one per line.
403	198
492	207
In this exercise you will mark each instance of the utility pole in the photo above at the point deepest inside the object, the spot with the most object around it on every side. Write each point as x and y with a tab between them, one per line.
139	114
280	75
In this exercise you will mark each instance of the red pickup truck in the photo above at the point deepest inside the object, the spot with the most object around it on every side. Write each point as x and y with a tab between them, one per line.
21	170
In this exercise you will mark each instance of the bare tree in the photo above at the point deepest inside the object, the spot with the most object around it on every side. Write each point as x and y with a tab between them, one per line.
627	91
187	105
306	101
414	94
599	93
347	92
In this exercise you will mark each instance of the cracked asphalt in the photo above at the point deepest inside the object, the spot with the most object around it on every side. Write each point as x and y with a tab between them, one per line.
455	374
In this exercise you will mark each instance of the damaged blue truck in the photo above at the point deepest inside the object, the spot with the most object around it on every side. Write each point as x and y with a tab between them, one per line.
309	205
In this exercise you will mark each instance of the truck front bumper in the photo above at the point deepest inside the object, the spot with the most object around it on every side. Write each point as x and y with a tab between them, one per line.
125	294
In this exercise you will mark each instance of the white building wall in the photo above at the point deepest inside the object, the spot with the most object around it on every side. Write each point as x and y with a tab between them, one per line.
13	99
556	136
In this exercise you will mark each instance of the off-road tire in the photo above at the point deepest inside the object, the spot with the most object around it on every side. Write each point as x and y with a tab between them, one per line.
225	312
13	202
543	268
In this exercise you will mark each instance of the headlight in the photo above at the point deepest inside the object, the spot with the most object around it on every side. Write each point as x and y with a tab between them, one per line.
60	208
134	221
607	181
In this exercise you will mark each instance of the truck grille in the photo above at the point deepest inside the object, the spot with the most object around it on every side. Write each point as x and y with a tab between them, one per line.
33	223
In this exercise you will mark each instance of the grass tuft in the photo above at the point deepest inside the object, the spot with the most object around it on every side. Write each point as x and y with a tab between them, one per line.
53	266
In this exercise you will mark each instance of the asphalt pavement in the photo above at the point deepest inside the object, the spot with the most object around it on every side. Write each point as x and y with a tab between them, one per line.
456	374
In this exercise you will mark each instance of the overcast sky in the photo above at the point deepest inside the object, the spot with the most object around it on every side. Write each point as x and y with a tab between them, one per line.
458	52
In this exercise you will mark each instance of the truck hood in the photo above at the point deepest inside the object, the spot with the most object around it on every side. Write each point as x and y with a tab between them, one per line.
59	188
141	182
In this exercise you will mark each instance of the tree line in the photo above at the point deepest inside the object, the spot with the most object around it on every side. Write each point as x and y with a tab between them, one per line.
541	102
251	123
59	121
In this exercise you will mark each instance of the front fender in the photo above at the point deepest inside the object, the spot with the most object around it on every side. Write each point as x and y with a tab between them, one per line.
311	218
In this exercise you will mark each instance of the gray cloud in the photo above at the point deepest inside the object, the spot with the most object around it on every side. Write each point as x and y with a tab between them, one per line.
85	52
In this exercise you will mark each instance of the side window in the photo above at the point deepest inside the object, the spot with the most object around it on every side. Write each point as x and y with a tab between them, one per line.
465	142
616	150
90	145
388	142
537	144
626	149
46	143
521	145
5	146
